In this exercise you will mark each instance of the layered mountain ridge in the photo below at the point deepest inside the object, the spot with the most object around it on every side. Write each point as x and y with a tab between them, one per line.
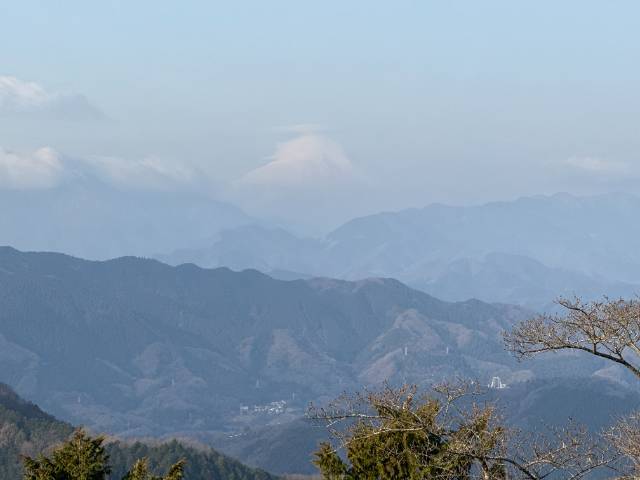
137	347
528	251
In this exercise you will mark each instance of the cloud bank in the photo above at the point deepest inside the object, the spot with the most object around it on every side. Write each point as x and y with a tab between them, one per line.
18	97
146	173
42	168
46	168
597	165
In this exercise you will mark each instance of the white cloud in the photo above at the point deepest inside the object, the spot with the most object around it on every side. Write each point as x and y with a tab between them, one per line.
21	97
310	160
18	95
598	165
145	173
46	168
39	169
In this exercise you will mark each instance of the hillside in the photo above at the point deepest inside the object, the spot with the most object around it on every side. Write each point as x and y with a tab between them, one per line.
27	430
24	430
137	348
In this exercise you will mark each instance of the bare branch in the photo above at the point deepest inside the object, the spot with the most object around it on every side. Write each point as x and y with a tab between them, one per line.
609	329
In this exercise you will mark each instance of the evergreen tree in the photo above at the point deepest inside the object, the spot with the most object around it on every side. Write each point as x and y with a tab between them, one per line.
395	437
80	458
140	471
84	458
447	435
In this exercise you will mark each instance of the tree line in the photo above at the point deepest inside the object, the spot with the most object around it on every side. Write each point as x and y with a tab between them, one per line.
83	457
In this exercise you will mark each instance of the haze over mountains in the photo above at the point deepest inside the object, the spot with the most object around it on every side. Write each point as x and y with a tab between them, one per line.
136	347
527	251
91	218
232	356
524	252
215	213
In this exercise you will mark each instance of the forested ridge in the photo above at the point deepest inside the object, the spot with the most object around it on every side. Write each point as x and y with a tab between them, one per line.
26	430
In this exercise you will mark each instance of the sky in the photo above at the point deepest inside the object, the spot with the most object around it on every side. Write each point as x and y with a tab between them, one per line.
310	113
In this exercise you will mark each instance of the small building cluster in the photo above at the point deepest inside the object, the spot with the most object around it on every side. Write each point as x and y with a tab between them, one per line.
274	408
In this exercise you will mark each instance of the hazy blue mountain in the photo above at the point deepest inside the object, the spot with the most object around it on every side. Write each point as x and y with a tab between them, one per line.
527	251
253	247
137	347
26	430
515	279
592	235
91	219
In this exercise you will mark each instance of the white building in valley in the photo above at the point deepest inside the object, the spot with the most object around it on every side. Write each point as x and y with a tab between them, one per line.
497	384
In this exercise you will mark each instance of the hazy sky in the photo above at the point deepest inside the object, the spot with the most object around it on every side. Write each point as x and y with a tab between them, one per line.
335	107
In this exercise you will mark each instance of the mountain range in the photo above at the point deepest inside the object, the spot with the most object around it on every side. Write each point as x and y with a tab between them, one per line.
136	348
183	347
527	251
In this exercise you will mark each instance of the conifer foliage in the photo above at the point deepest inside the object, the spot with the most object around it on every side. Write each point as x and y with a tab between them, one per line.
140	471
84	458
394	434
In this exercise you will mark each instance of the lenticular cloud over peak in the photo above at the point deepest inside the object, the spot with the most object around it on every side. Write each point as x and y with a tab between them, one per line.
310	173
305	161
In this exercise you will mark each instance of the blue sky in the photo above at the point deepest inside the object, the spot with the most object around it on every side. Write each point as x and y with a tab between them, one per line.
456	101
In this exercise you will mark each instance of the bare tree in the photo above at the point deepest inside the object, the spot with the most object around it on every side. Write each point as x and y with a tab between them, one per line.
608	329
447	435
625	436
